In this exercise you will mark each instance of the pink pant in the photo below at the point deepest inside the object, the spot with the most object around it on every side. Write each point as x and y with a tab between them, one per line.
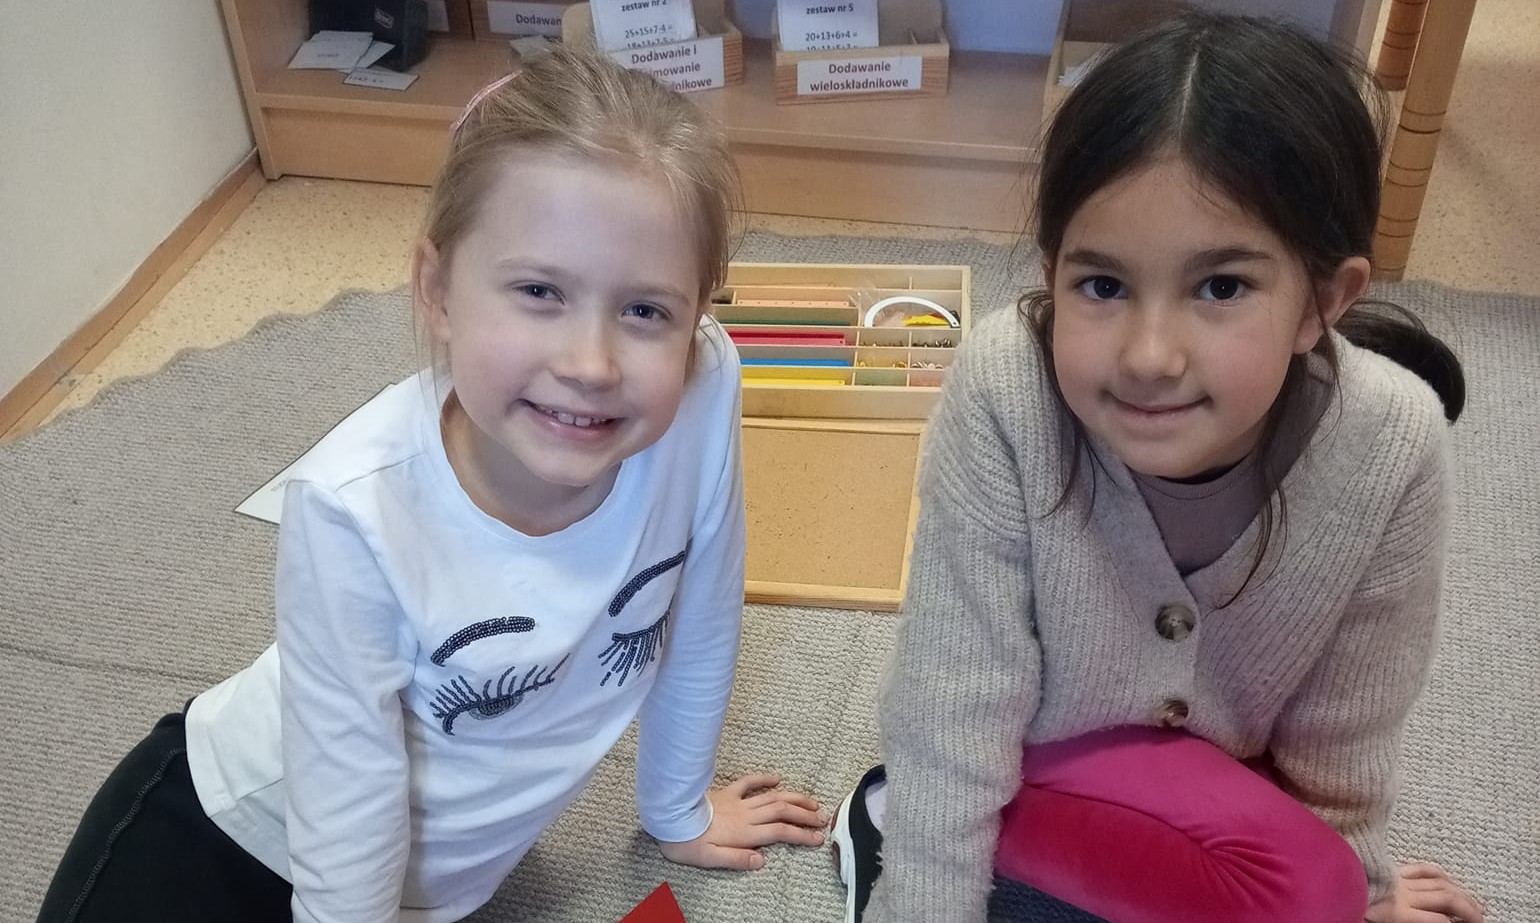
1145	825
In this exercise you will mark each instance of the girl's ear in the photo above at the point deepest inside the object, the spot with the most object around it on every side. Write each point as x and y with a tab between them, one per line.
1332	299
430	281
1047	273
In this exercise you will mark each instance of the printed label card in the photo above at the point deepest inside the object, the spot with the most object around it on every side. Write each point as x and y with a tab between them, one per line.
637	23
506	17
831	76
821	25
684	66
379	79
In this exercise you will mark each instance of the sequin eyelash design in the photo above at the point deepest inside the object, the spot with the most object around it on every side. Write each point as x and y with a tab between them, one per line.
633	650
459	697
635	584
486	629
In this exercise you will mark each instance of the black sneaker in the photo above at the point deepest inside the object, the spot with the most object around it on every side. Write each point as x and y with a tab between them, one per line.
858	845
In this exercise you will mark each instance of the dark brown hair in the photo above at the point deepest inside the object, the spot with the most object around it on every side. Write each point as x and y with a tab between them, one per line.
1282	124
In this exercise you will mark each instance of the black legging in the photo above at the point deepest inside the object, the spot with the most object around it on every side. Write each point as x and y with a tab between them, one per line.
145	850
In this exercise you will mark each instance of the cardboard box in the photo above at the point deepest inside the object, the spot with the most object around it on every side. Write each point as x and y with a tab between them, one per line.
913	59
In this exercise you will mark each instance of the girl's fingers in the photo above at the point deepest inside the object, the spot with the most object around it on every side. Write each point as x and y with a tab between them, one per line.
1451	903
780	795
732	857
787	813
765	834
1415	870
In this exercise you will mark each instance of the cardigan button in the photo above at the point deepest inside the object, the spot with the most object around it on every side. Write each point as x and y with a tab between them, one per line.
1172	713
1175	622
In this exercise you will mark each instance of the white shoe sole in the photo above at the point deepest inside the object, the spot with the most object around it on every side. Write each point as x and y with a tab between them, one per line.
845	856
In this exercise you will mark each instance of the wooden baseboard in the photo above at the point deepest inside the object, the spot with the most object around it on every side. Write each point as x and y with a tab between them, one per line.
30	402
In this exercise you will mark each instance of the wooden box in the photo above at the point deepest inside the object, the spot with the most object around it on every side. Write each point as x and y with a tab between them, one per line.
1087	29
913	59
452	17
806	352
717	41
501	20
831	449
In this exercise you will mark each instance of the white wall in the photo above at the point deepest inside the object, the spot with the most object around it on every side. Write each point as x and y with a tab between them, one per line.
116	120
1029	25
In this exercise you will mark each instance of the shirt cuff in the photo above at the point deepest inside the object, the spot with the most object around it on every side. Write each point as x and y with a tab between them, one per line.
684	827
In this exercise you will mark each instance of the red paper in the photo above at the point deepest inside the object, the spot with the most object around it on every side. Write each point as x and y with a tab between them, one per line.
659	907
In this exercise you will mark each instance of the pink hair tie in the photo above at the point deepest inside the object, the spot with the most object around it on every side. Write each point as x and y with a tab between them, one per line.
481	94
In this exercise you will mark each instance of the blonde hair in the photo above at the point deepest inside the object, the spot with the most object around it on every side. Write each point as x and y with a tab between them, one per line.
578	102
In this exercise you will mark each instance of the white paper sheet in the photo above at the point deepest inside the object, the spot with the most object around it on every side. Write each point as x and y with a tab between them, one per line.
266	503
332	51
638	23
377	50
821	25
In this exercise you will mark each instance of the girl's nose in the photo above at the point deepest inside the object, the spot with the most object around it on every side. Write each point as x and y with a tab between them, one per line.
1154	345
588	359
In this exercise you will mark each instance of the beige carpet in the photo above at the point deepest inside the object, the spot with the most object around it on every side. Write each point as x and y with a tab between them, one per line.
127	584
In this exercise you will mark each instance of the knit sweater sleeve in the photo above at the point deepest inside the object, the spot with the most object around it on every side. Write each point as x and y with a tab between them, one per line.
1338	741
963	680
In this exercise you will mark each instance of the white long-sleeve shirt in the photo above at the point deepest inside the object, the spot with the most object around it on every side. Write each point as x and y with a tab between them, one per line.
443	686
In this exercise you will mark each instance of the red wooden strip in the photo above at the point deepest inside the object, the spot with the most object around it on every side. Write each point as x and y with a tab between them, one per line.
787	339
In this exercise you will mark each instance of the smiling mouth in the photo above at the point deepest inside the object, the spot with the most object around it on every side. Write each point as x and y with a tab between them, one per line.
1155	410
571	419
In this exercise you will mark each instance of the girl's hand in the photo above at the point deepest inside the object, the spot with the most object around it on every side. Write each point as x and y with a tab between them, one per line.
1426	894
748	814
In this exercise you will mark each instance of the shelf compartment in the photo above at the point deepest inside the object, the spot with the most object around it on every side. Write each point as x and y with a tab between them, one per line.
877	378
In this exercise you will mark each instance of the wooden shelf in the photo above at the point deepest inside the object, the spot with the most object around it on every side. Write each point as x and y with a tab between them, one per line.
954	161
983	119
452	73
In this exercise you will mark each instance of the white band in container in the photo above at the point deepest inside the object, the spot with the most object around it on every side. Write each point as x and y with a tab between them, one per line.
871	312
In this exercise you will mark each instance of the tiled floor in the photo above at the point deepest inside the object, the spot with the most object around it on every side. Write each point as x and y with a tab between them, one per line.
303	240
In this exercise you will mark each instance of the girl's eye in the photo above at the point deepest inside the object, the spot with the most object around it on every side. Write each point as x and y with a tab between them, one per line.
1102	288
537	291
648	312
1222	288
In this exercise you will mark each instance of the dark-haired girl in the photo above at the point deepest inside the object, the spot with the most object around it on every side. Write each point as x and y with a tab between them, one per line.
1175	581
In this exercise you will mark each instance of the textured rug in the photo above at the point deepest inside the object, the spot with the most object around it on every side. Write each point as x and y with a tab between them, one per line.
128	584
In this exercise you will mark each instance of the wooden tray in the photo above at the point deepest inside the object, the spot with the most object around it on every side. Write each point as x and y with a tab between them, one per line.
831	510
805	353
